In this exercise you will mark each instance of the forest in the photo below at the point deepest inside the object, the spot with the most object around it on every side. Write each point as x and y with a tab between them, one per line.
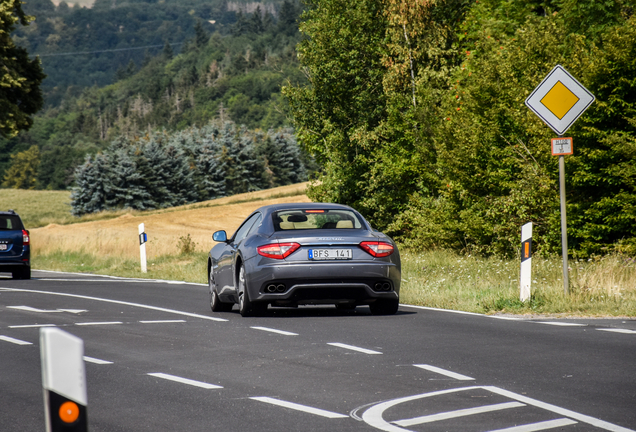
415	111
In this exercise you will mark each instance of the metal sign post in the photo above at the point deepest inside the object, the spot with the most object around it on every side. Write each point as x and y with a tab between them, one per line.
559	101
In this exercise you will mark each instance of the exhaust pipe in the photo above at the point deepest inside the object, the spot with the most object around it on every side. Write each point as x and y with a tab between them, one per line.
386	286
280	288
378	286
271	288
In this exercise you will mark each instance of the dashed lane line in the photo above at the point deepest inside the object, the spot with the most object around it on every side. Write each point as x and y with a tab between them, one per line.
99	323
172	311
458	413
97	361
353	348
561	324
550	424
298	407
271	330
615	330
444	372
187	381
14	341
31	326
162	321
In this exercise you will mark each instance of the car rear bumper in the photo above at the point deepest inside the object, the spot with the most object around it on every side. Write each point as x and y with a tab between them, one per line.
322	283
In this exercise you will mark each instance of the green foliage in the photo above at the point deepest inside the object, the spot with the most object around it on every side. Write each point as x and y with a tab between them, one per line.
20	77
186	245
22	174
161	170
445	153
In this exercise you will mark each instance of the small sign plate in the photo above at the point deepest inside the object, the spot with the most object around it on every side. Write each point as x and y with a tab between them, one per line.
562	146
330	254
559	100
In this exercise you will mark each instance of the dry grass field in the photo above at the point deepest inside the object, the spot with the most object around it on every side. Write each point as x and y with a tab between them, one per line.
118	237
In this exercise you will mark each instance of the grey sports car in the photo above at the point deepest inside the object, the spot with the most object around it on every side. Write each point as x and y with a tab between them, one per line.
286	255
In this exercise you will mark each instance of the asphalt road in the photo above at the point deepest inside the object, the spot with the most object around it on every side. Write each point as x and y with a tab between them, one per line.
157	359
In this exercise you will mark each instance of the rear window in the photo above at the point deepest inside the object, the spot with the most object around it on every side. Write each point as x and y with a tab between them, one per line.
315	219
8	222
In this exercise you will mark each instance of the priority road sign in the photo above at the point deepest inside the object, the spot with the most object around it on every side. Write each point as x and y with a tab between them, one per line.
559	100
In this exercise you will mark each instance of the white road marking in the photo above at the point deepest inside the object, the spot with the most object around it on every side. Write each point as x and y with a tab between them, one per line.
550	424
458	413
504	318
75	311
14	341
353	348
162	321
99	323
32	326
172	311
31	309
282	332
444	372
563	324
97	361
298	407
373	416
558	410
625	331
185	381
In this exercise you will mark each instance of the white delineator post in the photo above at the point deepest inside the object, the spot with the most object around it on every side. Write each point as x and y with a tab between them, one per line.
63	381
142	248
525	277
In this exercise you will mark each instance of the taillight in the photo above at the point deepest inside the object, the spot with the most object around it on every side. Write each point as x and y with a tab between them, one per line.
377	249
277	250
25	238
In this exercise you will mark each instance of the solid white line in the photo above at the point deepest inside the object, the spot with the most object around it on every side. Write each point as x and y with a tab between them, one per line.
446	310
96	361
558	410
458	413
563	324
99	323
353	348
267	329
31	309
15	341
444	372
299	407
32	326
172	311
550	424
162	321
119	278
625	331
185	381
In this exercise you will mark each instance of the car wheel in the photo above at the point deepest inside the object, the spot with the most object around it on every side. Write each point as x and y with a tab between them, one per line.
215	302
384	307
246	307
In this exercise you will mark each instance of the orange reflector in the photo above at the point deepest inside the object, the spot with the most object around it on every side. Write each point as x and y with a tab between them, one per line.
527	250
69	412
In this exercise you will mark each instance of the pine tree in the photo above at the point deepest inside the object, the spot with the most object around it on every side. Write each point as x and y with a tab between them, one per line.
92	185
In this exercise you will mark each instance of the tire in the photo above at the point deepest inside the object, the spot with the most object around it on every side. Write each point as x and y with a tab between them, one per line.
22	273
384	307
246	307
215	302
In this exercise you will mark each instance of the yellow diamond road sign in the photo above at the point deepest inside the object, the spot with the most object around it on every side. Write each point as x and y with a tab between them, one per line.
559	100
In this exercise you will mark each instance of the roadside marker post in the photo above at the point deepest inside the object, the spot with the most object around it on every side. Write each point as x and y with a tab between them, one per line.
525	277
143	238
63	381
559	101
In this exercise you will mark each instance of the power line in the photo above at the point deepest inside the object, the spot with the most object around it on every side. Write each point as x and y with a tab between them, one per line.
103	51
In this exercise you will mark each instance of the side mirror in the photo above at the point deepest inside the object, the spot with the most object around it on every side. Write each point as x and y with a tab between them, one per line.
219	236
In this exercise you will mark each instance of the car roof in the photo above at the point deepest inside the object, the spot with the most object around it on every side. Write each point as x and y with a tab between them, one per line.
10	212
293	206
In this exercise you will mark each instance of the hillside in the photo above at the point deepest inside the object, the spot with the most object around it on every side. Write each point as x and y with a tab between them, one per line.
231	70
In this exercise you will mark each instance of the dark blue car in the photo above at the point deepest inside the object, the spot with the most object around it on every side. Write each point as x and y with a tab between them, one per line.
15	252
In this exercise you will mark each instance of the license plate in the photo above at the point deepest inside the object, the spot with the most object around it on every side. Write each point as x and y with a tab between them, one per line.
330	254
3	247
